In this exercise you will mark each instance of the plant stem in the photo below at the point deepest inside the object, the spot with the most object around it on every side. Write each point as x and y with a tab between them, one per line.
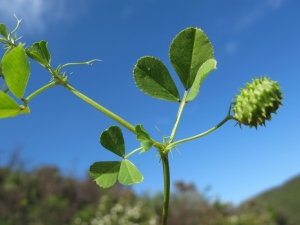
39	91
228	117
79	63
180	110
166	168
132	152
102	109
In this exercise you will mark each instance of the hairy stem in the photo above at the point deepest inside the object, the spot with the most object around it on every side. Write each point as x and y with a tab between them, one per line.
180	110
102	109
166	168
228	117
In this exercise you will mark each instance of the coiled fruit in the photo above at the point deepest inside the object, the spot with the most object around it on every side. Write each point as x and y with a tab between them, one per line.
255	103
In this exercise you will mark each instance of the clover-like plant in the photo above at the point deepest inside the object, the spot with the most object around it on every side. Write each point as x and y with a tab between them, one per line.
192	56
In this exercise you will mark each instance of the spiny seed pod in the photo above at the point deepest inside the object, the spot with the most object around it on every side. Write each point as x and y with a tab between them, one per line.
254	105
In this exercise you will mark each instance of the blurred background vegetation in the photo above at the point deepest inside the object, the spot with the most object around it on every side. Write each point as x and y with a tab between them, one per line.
45	197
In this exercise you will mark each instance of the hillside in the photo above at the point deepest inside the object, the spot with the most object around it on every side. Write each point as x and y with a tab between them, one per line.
285	198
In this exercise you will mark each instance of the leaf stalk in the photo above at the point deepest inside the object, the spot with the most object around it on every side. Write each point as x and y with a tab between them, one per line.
180	110
174	144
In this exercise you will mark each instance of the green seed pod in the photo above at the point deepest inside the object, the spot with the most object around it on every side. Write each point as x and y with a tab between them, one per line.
254	105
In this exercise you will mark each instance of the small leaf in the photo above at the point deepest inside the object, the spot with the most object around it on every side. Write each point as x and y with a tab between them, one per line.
144	137
105	173
146	145
3	30
202	73
188	51
129	174
141	133
8	106
112	139
153	78
39	52
16	70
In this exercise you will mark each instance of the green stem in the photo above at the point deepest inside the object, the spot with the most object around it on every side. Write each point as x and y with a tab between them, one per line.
39	91
18	23
102	109
180	110
131	153
78	64
165	162
228	117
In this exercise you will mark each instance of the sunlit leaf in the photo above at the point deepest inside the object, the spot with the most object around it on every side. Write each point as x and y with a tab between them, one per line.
188	51
39	52
202	73
9	107
16	70
105	173
153	78
146	145
129	174
112	139
3	30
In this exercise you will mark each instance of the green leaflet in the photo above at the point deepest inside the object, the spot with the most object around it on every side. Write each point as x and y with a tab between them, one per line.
202	73
39	52
105	173
188	51
3	30
10	108
153	78
144	137
16	70
129	174
112	139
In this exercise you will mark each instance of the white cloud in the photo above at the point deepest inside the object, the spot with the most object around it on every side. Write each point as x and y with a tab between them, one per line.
275	3
253	15
37	14
231	47
127	12
249	17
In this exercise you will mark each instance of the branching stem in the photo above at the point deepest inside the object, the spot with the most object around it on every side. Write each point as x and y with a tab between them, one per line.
228	117
102	109
39	91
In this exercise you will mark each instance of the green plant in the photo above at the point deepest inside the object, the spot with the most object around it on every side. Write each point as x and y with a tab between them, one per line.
191	54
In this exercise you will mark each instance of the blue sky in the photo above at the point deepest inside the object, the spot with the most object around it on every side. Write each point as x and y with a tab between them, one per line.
250	37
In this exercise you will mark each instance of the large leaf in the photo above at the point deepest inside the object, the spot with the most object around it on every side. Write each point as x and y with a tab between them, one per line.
112	139
3	30
16	70
188	51
144	137
202	73
105	173
153	78
129	174
39	52
10	108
